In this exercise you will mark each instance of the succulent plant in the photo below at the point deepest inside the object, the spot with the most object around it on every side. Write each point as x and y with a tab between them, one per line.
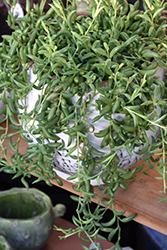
85	70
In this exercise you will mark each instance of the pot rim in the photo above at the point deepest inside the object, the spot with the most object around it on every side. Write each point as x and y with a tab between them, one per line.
45	200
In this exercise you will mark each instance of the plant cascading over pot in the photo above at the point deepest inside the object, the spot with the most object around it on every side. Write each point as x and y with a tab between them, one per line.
89	95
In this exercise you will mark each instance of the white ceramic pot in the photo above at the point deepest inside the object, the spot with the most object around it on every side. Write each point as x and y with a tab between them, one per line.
65	165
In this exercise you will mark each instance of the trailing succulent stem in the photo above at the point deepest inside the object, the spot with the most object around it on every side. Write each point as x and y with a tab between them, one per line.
104	61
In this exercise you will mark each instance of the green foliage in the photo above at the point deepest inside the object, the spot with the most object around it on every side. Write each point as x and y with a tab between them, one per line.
72	55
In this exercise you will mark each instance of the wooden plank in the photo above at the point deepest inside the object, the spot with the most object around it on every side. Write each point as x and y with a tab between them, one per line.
141	197
72	242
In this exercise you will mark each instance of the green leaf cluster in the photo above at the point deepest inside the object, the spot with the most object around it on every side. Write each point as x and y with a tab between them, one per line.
112	55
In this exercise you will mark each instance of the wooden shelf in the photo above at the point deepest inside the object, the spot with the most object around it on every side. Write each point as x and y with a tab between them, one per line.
72	242
141	197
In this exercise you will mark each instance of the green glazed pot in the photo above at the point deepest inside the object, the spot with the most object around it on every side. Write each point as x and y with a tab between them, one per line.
4	244
27	218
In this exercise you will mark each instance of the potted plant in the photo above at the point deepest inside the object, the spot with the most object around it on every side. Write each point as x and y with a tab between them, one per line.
88	97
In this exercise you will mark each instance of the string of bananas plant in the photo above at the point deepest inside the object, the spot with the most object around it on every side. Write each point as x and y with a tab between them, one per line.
71	55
